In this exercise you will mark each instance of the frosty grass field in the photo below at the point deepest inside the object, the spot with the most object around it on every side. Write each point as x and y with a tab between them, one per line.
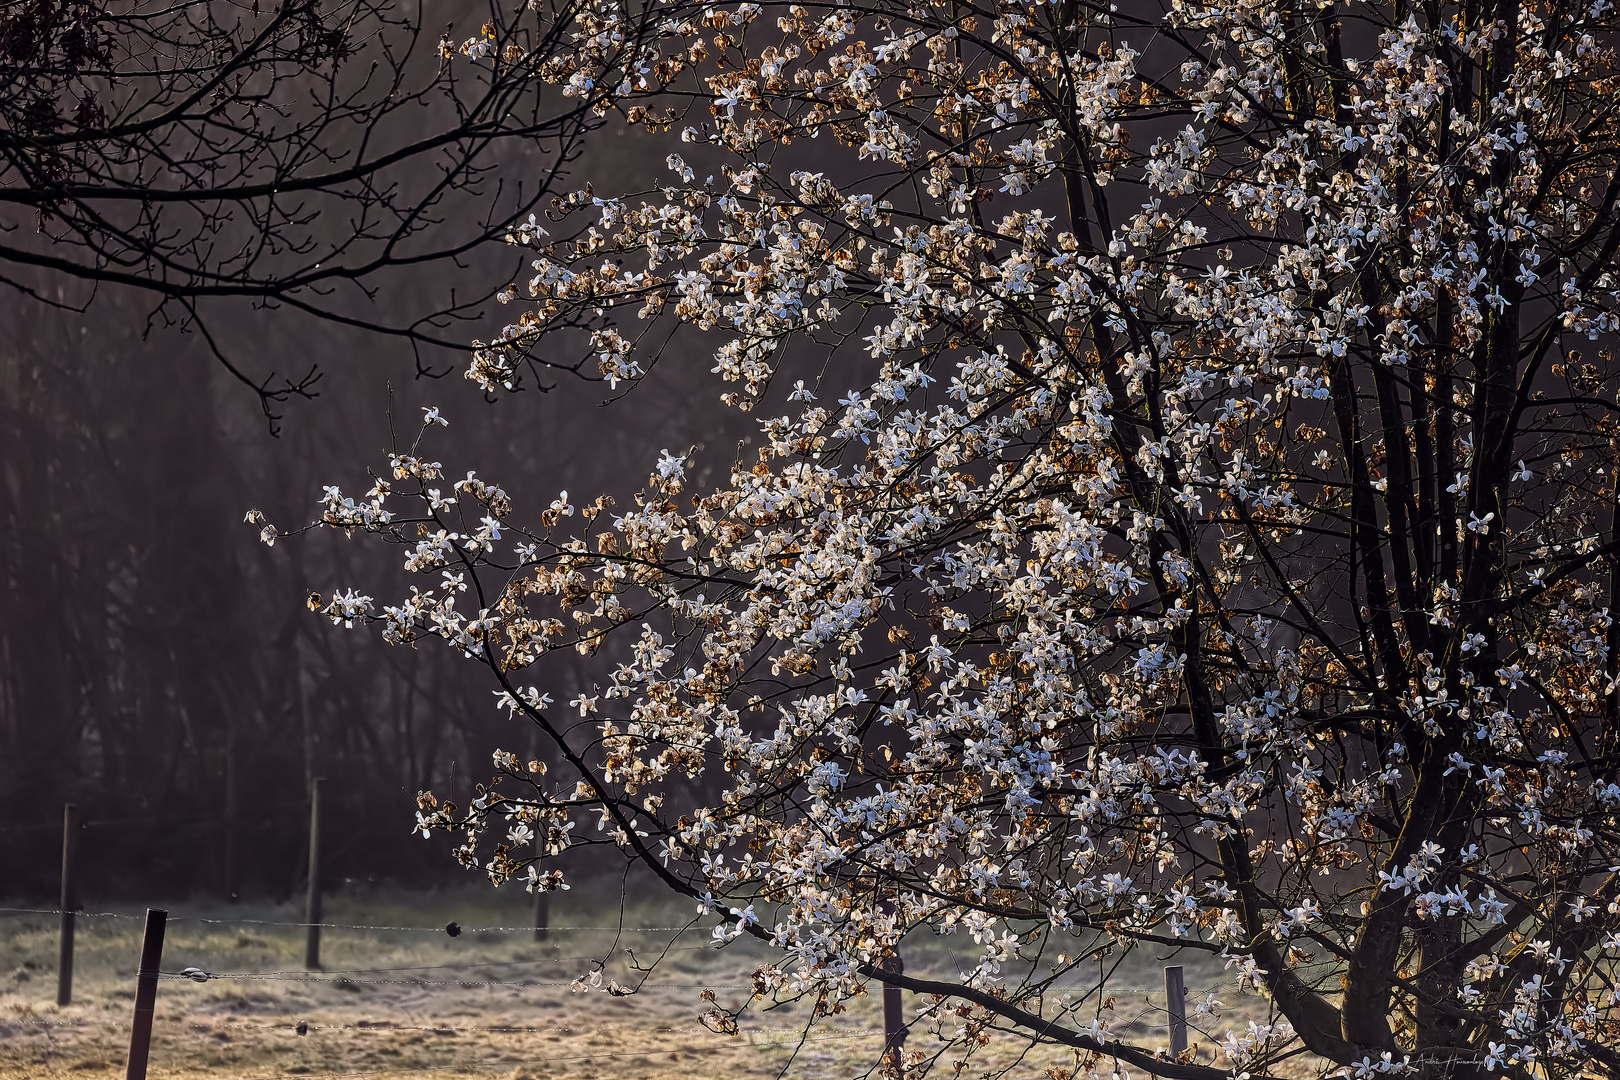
485	1003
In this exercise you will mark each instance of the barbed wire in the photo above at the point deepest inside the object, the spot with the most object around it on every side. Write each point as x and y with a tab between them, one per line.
200	976
383	1027
458	931
594	958
58	911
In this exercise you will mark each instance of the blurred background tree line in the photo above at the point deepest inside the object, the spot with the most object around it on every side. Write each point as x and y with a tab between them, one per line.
156	665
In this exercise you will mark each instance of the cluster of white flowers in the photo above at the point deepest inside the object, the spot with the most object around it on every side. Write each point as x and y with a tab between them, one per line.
1171	572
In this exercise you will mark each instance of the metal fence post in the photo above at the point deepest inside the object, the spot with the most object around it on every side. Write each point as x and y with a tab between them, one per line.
312	896
1175	989
146	980
69	904
894	1016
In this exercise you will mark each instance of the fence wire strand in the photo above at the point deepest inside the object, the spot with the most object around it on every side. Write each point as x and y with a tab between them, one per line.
384	1027
201	976
358	926
595	959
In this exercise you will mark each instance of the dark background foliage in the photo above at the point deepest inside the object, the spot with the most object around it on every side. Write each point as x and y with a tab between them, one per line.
157	663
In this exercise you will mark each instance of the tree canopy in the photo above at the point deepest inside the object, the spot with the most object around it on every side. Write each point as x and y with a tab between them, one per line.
1183	516
302	155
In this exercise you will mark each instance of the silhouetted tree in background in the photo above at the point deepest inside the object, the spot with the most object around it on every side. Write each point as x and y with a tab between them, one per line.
296	154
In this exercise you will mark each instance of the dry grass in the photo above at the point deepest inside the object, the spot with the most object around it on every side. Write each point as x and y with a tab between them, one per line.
452	1009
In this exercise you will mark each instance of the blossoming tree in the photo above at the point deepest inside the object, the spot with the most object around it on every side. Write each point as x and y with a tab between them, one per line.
1183	518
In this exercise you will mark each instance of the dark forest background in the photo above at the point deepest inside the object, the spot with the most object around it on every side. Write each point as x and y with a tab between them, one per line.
158	666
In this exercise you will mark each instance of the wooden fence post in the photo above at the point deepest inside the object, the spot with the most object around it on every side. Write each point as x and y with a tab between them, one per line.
69	904
146	980
1175	989
312	896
